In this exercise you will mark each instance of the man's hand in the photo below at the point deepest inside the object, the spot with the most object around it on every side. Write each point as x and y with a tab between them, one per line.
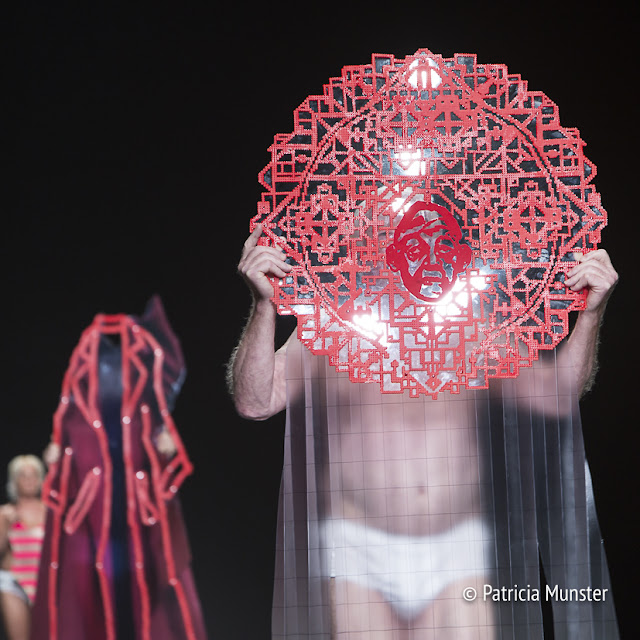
595	273
258	262
256	374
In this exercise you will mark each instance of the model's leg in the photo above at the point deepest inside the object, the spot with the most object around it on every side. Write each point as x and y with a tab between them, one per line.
454	618
16	616
363	614
360	613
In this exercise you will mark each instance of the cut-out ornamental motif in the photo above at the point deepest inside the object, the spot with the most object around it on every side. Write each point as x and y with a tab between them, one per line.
430	208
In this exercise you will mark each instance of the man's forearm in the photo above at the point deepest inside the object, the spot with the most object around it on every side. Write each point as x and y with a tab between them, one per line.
256	373
251	369
596	274
581	349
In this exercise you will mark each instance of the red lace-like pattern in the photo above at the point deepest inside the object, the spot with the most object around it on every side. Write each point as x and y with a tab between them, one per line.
430	208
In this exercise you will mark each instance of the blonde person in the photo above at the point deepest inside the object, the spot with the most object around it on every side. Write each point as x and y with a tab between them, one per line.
21	533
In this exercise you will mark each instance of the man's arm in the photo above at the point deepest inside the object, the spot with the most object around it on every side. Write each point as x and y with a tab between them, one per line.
256	373
547	387
595	273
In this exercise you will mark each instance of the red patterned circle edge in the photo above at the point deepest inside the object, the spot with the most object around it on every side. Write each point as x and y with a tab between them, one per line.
430	208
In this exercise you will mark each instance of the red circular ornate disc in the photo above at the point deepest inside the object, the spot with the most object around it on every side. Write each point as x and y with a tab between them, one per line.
430	207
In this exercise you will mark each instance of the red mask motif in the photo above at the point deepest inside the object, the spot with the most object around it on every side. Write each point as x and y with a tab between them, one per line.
427	251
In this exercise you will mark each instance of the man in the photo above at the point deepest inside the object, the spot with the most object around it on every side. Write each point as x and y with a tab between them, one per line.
406	521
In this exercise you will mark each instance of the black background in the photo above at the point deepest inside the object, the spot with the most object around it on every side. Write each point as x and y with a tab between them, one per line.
132	140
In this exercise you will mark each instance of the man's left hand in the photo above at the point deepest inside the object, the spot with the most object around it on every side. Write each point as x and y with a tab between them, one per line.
595	273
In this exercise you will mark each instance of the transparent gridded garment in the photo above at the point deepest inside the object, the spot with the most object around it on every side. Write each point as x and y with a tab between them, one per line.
391	506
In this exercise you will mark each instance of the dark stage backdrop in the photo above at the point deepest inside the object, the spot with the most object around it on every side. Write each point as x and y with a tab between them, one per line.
132	141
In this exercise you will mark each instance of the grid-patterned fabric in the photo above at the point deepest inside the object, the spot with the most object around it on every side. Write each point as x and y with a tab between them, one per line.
394	509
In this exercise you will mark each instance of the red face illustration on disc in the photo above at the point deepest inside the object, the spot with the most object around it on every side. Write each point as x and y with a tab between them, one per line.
427	251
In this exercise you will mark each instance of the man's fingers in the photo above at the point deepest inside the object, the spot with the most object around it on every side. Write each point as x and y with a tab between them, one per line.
584	273
273	252
251	247
263	257
599	255
252	240
273	270
592	265
267	264
595	273
598	262
261	263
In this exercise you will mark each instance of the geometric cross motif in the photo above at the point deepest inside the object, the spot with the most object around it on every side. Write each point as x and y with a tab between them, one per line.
430	208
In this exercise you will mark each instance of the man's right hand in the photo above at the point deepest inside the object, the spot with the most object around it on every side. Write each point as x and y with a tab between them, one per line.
259	262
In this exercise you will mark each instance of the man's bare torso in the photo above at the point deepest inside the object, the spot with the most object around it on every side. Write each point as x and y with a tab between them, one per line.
406	465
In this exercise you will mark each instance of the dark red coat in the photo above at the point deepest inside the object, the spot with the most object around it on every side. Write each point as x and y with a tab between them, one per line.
75	599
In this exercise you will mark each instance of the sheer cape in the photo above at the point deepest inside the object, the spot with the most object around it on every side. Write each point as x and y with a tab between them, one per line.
519	444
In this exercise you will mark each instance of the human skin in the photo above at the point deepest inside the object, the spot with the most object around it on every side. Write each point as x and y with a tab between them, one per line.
30	510
257	372
422	457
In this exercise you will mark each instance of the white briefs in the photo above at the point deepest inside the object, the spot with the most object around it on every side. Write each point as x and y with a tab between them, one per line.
9	584
409	571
